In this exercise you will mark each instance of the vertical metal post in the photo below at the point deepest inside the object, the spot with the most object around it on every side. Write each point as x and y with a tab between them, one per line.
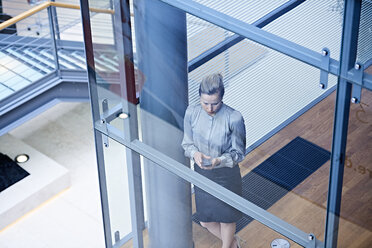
161	44
123	42
113	20
53	39
93	93
341	119
55	18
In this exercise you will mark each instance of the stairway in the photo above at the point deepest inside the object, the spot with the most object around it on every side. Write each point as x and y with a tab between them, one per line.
24	60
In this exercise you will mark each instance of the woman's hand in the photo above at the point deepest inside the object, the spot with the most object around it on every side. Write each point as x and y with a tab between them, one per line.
215	162
198	158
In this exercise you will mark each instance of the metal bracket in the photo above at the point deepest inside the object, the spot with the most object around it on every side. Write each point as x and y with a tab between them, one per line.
323	84
105	137
104	122
117	236
356	95
312	241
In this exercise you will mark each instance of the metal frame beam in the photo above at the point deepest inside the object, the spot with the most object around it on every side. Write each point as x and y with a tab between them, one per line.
98	137
29	92
267	39
65	91
234	39
352	10
48	82
53	39
123	42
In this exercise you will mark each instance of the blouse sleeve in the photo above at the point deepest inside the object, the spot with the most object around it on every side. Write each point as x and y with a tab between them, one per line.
187	142
236	152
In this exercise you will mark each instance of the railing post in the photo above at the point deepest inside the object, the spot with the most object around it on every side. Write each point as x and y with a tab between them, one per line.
93	94
53	39
124	47
55	18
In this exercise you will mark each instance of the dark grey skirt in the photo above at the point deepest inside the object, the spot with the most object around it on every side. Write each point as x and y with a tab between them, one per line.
211	209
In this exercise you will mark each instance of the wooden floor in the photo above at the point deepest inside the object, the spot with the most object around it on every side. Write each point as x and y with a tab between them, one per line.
305	206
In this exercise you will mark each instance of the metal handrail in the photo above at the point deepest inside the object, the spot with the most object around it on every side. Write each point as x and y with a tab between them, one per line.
45	5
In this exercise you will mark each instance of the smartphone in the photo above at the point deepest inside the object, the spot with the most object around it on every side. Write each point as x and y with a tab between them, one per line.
206	162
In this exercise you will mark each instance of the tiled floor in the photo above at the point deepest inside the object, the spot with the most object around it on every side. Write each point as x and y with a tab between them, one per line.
72	218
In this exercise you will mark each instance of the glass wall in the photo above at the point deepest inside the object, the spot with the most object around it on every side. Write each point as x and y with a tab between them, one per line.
117	189
284	109
285	164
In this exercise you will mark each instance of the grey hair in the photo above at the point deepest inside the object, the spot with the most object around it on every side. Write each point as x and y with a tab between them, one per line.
212	84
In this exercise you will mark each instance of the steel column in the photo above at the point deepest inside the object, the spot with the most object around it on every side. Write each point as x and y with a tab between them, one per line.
93	94
53	39
123	42
162	58
348	55
56	24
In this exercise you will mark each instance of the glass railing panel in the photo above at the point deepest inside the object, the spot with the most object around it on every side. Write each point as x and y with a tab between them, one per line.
110	71
355	226
364	52
35	25
116	171
259	235
254	234
69	36
68	23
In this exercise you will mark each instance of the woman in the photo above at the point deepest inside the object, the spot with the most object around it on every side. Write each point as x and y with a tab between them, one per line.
214	138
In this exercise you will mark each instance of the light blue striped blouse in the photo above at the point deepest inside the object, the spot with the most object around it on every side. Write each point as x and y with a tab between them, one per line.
220	136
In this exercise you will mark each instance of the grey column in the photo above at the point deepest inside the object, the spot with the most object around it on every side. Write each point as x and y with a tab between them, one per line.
162	59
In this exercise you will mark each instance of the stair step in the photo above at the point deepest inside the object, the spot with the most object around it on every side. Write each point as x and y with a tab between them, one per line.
62	62
13	81
109	60
11	67
72	60
99	60
31	62
82	59
33	54
4	92
100	64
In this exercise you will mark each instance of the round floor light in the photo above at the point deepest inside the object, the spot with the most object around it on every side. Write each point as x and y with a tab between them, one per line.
21	158
280	243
